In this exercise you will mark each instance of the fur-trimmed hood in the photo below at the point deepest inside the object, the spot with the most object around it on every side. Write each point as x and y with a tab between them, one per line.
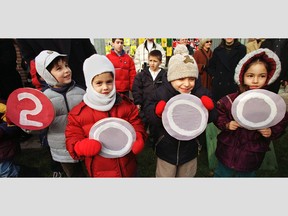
268	56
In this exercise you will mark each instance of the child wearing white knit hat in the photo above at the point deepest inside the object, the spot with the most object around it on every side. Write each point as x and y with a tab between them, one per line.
100	102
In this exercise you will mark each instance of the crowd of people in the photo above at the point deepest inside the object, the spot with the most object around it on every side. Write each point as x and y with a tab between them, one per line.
174	106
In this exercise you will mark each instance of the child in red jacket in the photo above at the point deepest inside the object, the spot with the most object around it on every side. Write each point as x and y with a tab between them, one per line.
100	102
125	71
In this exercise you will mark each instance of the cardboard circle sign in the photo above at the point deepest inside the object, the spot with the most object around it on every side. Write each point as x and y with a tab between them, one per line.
258	109
184	117
30	109
116	136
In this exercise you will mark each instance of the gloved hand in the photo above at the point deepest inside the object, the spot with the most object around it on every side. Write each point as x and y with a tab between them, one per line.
88	147
159	108
139	143
207	102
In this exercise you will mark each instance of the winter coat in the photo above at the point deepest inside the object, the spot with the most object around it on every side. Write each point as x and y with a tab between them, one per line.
80	120
124	71
168	148
222	67
141	55
144	86
63	100
242	149
202	59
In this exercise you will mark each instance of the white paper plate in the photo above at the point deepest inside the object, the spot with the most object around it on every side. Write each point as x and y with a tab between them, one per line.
116	136
258	109
185	117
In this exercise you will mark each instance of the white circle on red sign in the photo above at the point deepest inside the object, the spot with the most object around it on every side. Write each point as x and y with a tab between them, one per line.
184	117
30	109
116	136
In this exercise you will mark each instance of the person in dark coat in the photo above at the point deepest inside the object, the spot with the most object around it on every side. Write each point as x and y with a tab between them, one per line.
222	66
240	151
176	158
78	49
145	83
10	78
280	47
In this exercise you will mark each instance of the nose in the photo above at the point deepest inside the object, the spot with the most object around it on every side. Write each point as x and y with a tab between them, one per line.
67	70
186	82
105	86
255	79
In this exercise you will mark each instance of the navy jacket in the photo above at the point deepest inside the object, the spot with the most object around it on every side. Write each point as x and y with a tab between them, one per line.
167	147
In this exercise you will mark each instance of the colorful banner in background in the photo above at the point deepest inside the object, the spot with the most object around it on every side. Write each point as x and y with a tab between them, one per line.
131	44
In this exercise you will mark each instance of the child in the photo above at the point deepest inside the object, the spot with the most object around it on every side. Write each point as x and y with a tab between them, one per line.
99	102
146	82
124	67
142	52
240	152
9	145
64	95
176	158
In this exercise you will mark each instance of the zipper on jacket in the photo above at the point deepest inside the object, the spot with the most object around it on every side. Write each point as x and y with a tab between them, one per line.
158	141
177	156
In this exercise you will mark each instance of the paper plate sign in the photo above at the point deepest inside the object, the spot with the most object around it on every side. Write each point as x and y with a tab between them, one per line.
116	136
185	117
258	109
30	109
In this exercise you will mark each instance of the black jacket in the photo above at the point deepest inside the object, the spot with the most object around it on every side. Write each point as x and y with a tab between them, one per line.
167	147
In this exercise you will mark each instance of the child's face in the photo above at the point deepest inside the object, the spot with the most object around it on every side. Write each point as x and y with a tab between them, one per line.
62	72
256	76
184	85
154	63
103	83
118	45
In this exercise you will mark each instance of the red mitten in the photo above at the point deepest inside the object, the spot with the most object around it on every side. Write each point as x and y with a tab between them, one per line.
160	107
207	102
138	145
88	147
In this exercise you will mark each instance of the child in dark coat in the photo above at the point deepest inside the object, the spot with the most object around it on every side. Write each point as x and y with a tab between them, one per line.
177	158
240	151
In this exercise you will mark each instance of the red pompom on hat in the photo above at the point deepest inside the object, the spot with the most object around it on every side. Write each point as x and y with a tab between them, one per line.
160	107
207	102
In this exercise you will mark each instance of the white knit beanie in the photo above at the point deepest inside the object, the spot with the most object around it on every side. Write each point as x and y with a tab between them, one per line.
95	65
181	66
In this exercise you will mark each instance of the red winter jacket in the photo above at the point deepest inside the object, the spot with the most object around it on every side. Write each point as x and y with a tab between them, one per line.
80	120
125	71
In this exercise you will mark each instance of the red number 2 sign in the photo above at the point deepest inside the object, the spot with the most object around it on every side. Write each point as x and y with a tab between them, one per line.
30	109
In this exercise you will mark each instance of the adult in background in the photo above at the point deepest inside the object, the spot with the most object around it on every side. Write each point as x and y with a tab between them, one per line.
280	47
254	44
78	49
142	51
222	66
202	57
